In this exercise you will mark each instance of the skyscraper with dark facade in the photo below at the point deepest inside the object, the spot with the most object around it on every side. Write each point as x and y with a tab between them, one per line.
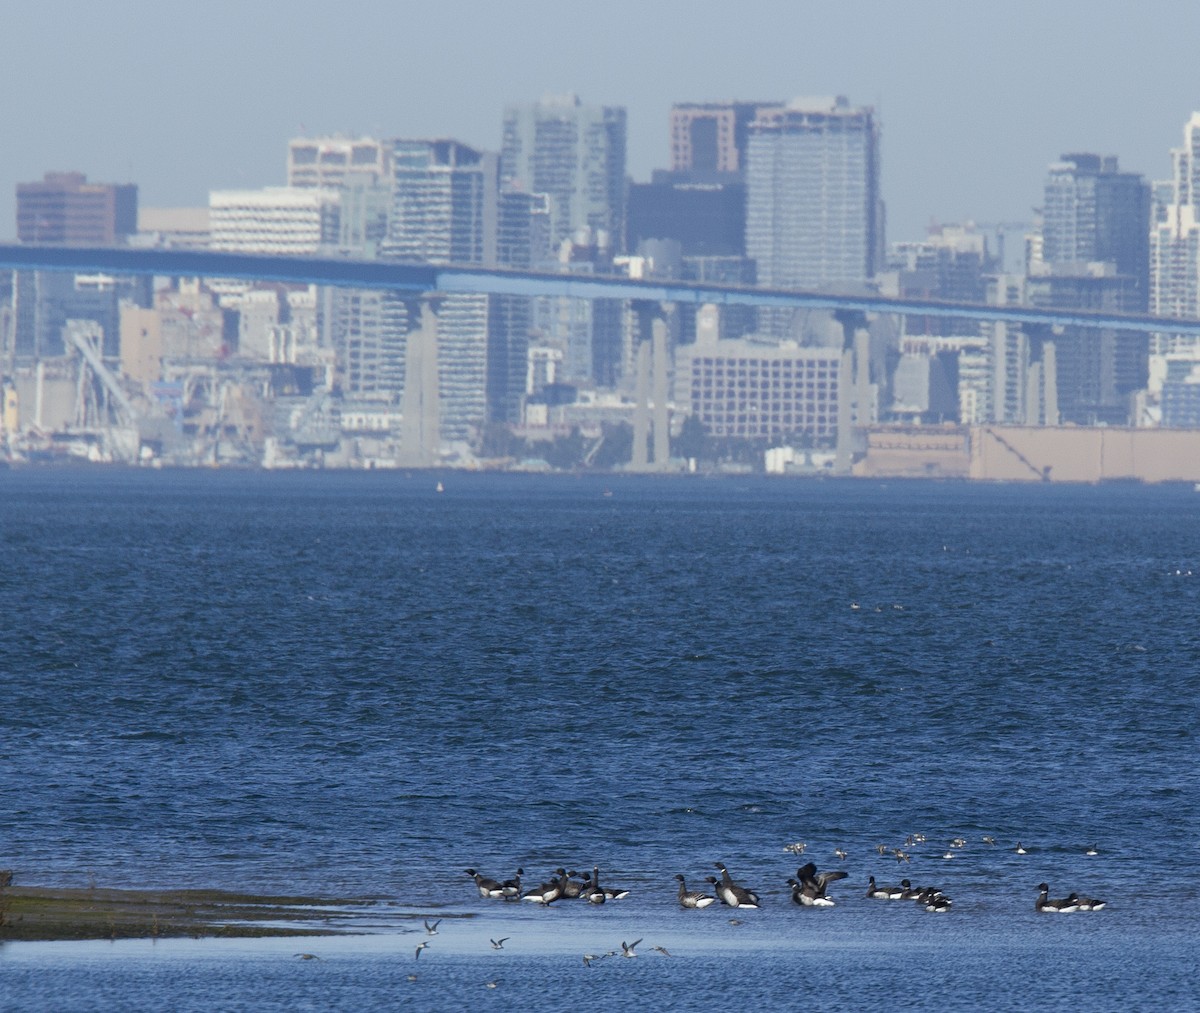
1095	255
1093	212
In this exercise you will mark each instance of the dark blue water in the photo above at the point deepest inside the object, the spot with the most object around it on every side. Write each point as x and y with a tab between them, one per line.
351	684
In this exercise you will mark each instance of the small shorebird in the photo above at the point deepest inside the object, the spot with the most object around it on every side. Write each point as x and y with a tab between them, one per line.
1020	850
627	948
498	944
660	949
308	956
432	929
420	947
841	853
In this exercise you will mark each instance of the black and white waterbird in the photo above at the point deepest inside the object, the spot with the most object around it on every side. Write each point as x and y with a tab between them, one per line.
487	887
571	887
1044	902
547	893
808	889
732	894
692	898
876	892
420	947
627	949
498	944
1087	903
510	889
598	894
432	929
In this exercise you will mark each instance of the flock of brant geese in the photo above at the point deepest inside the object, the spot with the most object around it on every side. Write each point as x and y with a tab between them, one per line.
809	888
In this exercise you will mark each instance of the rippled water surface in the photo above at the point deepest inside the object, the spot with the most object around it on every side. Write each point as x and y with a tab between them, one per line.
353	684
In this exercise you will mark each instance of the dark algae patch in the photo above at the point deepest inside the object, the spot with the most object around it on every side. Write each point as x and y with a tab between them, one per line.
51	913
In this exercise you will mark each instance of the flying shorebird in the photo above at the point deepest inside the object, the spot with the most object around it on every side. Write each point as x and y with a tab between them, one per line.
660	949
627	948
420	947
432	929
498	944
307	956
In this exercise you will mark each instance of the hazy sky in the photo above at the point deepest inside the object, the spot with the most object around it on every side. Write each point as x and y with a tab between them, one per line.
975	98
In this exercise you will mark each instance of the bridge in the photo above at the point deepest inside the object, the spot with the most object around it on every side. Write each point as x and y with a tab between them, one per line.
460	278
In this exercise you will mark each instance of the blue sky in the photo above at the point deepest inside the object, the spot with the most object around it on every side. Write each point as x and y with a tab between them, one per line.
975	98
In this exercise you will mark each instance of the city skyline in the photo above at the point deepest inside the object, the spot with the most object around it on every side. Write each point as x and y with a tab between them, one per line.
128	95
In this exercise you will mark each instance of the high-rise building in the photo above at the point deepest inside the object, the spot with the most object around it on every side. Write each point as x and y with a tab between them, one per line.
274	219
1093	212
573	153
710	137
327	161
443	203
1175	243
707	219
65	208
1095	255
814	217
447	207
951	263
44	301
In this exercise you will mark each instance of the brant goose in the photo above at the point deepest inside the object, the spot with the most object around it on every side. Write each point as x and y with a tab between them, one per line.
732	894
487	887
692	898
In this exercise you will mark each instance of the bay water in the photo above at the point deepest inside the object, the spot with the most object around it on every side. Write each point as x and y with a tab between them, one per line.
355	685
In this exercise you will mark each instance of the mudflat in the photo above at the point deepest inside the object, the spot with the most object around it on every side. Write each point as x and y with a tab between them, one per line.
50	913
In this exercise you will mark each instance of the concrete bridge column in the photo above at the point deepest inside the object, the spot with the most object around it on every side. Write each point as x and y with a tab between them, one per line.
420	438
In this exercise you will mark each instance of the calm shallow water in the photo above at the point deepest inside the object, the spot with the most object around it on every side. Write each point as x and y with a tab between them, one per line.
352	684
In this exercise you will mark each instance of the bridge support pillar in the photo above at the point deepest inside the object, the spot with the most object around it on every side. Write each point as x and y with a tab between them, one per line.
651	414
420	438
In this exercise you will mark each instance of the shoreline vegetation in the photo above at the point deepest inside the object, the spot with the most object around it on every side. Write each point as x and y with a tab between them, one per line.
47	914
